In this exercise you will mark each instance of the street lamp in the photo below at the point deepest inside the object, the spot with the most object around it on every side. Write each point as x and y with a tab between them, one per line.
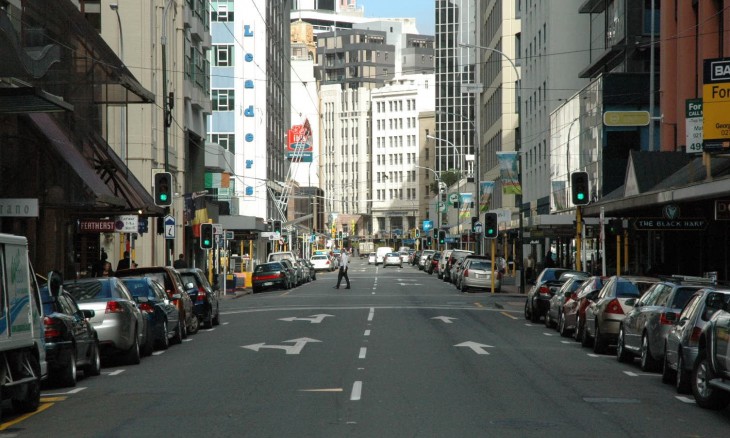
458	187
518	146
438	195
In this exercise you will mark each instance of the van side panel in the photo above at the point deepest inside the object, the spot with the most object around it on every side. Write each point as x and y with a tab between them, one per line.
16	313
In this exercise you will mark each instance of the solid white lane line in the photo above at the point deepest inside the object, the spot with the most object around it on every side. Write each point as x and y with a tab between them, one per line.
363	352
356	391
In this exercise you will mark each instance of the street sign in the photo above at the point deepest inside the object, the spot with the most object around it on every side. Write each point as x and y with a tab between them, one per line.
626	118
169	227
217	229
230	235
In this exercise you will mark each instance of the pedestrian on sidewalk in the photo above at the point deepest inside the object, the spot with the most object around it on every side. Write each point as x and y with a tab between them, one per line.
344	262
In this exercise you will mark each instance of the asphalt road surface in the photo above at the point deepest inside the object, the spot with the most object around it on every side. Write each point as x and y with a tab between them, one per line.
401	354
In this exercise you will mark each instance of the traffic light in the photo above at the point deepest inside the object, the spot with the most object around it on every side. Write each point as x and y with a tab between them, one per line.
428	241
206	236
276	227
442	237
418	233
615	226
579	188
163	189
491	227
474	220
339	234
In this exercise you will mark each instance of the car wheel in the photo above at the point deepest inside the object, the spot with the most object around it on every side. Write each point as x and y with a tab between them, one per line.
255	289
28	398
178	336
682	378
578	333
527	310
132	356
706	395
208	320
667	371
94	366
648	363
66	375
561	326
534	316
217	317
464	287
586	340
194	325
621	354
164	342
599	344
548	320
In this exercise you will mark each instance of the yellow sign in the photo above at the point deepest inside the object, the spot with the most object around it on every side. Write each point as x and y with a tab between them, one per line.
716	111
626	118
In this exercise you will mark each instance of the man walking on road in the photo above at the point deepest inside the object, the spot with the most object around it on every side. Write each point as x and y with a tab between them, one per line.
344	262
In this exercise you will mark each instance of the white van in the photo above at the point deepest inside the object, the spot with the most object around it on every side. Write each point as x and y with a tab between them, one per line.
380	254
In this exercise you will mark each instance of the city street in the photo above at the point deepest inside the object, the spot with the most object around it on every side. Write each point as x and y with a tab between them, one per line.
402	353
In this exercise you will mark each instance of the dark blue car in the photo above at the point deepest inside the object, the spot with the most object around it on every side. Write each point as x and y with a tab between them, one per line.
163	317
203	295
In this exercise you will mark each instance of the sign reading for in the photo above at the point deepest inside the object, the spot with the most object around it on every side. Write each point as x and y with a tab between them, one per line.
716	104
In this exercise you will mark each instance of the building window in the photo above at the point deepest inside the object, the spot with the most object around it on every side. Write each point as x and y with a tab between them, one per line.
221	11
225	140
223	99
223	55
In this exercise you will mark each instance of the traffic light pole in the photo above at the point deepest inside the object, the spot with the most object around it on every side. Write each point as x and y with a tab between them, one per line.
578	232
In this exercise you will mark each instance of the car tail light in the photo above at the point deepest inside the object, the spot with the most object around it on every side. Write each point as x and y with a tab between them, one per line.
113	307
574	296
695	336
615	307
544	290
269	276
327	262
201	294
52	328
466	273
146	307
663	319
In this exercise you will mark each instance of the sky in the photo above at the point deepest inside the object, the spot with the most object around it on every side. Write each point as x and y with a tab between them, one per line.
422	10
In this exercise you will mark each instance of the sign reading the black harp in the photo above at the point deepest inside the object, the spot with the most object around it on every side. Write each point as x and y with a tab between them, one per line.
722	210
664	224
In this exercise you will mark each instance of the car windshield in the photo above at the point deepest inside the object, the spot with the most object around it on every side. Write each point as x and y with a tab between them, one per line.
89	290
268	267
393	254
682	297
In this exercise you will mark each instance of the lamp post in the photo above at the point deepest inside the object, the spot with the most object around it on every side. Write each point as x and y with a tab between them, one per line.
458	187
438	196
518	146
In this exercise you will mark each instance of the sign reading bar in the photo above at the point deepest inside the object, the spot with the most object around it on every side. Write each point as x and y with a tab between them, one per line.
664	224
716	104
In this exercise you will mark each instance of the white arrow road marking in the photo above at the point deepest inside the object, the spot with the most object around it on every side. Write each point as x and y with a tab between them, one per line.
446	319
290	349
477	347
314	319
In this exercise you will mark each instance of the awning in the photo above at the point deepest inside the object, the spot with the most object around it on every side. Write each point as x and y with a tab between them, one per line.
15	100
62	144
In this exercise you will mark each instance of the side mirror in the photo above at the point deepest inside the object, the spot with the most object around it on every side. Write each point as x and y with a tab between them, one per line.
55	281
88	313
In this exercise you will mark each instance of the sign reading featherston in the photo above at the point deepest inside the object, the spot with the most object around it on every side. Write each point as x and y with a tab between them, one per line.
716	105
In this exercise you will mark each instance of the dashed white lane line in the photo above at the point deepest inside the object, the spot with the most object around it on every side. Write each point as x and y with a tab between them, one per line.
363	353
116	372
371	314
685	399
367	333
356	391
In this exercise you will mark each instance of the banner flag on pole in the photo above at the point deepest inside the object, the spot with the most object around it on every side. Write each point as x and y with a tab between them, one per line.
486	190
509	172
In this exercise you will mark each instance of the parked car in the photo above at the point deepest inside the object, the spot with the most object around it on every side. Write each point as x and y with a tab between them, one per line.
372	258
120	326
644	330
274	274
415	258
711	373
573	319
455	255
322	263
70	339
538	297
163	317
566	292
442	262
422	259
295	279
392	259
308	265
433	262
206	301
681	347
477	274
605	314
404	255
170	279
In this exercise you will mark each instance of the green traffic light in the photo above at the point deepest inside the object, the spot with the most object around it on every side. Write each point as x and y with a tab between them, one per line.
163	197
206	242
581	196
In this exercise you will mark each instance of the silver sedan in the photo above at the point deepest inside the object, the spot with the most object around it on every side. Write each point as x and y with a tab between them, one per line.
392	259
119	323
